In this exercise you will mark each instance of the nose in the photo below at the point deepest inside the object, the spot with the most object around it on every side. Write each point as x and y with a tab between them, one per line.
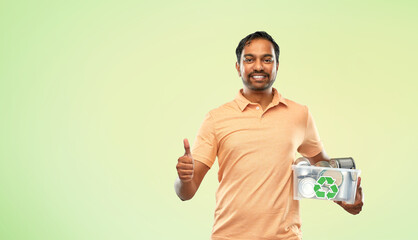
258	66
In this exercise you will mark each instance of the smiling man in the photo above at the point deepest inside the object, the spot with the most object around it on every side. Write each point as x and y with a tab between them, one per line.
255	138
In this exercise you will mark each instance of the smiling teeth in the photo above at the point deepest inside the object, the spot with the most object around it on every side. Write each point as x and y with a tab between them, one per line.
258	77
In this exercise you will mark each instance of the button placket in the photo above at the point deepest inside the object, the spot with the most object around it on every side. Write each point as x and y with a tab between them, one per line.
260	112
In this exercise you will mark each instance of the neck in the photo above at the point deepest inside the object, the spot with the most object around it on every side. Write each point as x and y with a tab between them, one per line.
263	98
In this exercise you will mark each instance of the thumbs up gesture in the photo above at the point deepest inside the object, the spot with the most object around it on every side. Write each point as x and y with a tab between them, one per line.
185	165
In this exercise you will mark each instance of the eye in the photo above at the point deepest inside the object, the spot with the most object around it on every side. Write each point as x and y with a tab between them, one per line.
268	60
248	60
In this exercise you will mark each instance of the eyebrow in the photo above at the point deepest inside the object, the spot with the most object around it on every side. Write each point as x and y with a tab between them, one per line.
251	55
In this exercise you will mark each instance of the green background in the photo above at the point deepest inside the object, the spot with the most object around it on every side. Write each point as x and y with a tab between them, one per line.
96	97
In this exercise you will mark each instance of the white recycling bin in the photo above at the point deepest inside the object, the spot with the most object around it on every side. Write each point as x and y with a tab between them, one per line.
324	183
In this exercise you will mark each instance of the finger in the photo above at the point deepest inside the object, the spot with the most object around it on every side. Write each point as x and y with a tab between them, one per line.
185	176
184	166
343	204
186	172
359	191
358	182
359	196
185	160
186	147
356	210
186	179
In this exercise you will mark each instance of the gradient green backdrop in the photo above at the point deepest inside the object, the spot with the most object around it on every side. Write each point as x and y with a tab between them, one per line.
96	97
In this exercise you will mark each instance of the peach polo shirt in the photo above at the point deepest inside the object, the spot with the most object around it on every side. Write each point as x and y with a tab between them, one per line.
255	151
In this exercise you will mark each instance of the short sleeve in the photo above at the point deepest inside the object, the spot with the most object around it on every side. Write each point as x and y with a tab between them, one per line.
205	146
311	145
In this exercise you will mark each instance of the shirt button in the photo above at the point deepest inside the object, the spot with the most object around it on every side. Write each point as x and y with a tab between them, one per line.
257	108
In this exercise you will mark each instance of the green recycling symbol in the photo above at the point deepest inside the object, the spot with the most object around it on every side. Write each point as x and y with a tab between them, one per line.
330	183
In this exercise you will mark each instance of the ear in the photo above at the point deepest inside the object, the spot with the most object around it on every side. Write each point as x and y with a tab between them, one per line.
277	66
238	69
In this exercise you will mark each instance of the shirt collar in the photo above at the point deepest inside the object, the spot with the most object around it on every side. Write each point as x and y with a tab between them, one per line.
243	102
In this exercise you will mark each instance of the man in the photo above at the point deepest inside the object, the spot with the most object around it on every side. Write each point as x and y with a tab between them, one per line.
255	138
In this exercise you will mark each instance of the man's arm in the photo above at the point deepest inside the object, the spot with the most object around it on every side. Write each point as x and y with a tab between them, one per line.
357	206
190	174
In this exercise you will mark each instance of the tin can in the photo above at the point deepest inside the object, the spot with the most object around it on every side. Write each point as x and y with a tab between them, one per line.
302	162
322	164
306	187
347	162
303	171
335	174
345	188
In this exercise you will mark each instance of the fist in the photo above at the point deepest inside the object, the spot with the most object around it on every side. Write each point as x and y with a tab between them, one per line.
185	164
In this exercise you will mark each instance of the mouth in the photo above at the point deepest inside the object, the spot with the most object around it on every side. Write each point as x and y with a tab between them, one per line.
258	77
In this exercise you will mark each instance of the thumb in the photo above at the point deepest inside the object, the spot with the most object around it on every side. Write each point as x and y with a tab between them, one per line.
187	147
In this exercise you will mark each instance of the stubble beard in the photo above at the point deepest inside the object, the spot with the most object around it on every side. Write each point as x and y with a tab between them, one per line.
249	85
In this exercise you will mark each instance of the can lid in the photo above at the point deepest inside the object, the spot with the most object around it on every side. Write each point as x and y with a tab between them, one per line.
337	175
306	187
302	162
334	163
322	164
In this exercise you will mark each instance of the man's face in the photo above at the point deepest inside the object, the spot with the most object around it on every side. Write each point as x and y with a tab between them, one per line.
258	66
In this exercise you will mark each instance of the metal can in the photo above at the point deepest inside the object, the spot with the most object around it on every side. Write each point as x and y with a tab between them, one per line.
347	162
306	187
335	174
322	164
344	189
302	162
303	172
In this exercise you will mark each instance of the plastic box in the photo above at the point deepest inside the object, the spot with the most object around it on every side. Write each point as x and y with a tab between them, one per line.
324	183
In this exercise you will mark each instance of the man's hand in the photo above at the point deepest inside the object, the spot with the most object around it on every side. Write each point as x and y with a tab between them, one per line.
358	203
185	165
190	174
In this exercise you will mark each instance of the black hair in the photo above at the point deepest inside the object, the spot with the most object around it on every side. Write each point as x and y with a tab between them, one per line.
256	35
